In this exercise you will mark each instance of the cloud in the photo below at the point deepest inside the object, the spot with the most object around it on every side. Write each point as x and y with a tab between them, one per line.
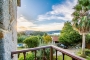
23	24
50	27
59	12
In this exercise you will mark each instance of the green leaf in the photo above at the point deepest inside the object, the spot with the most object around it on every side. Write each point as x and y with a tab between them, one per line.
88	7
78	7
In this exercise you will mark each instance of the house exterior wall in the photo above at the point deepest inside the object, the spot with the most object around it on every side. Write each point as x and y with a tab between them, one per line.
8	33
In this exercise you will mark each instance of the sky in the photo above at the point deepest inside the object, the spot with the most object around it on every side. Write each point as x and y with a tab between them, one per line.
44	15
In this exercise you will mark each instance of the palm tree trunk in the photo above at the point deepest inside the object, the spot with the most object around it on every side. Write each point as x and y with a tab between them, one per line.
83	44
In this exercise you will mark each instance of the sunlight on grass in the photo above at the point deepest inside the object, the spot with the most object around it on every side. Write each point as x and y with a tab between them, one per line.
20	48
60	57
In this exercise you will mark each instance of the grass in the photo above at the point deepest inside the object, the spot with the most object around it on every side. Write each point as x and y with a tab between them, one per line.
60	57
20	48
87	52
88	58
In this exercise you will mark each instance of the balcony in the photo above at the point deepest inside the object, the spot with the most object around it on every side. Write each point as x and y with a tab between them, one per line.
73	56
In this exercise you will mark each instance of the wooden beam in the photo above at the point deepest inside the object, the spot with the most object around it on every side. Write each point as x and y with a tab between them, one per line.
19	3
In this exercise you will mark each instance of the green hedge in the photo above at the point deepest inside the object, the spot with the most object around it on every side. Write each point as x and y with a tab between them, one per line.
32	41
21	38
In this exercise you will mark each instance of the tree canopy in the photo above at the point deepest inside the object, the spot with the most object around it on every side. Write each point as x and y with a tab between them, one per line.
68	35
32	41
47	38
81	20
81	16
21	38
35	33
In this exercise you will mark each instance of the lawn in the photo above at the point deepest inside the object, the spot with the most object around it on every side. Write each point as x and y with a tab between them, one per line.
61	58
20	48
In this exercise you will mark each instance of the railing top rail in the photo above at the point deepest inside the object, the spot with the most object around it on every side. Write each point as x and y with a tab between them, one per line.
67	53
49	46
29	49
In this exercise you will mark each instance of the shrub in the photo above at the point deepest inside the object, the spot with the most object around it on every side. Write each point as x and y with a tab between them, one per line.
47	39
32	41
88	38
47	54
87	53
29	56
21	38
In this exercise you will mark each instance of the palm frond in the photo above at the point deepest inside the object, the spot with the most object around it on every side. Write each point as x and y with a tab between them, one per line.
81	20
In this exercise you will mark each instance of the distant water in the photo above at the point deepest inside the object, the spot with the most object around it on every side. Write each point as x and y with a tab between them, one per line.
56	32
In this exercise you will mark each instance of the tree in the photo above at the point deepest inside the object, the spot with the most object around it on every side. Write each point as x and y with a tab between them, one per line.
31	41
81	20
47	38
68	36
40	39
21	38
35	33
20	33
88	38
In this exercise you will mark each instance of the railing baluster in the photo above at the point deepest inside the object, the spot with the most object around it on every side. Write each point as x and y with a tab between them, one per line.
73	59
35	55
24	53
56	54
63	55
11	55
44	54
18	55
51	53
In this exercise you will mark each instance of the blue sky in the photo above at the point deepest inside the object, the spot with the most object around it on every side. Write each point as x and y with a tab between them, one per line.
44	15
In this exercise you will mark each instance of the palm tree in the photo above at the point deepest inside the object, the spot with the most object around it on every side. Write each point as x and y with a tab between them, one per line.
81	20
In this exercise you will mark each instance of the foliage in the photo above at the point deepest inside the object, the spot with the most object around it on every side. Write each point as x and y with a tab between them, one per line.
32	41
29	56
21	38
40	39
35	33
40	54
20	33
45	34
81	20
47	38
88	38
87	53
47	54
68	35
